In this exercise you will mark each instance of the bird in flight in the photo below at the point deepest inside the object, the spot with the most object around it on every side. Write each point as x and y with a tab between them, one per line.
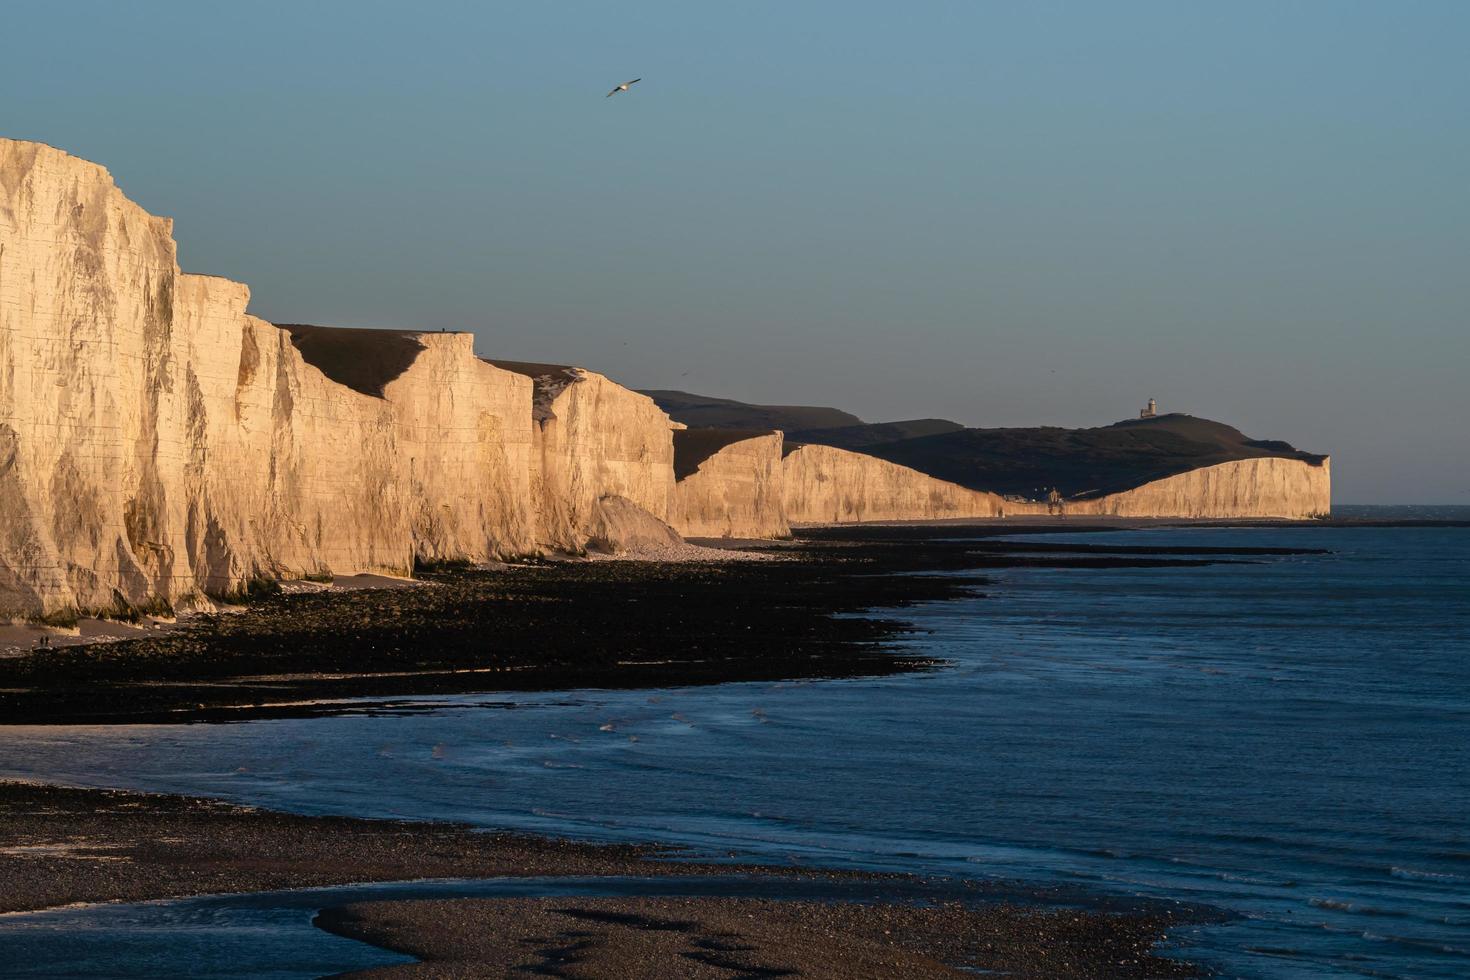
622	88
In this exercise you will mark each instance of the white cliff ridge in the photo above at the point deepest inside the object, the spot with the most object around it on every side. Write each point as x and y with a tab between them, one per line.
729	484
592	439
826	485
160	445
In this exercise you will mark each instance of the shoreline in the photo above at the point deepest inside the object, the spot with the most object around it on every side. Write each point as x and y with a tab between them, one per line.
19	637
61	846
809	615
556	625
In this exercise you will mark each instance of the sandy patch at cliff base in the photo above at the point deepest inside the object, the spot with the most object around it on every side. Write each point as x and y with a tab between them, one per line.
348	583
354	583
16	639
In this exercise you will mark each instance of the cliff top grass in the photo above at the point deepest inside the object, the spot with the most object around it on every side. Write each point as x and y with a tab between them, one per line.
693	446
361	359
703	412
859	437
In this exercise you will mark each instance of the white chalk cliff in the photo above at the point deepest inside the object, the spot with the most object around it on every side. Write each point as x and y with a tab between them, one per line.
160	445
593	440
826	485
1268	486
730	485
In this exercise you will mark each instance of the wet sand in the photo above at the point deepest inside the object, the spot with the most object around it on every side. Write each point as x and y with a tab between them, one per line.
61	846
742	937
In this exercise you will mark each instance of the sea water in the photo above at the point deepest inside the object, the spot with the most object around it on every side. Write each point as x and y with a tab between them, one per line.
1287	739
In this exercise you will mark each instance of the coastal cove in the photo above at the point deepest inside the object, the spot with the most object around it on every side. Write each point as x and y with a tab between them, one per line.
1220	734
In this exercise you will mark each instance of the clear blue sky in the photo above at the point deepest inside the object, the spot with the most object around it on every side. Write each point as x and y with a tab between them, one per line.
1002	213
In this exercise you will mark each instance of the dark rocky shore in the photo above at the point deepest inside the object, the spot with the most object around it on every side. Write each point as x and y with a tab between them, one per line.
547	625
60	846
550	625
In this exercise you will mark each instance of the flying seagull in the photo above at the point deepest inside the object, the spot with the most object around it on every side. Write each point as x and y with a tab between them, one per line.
622	88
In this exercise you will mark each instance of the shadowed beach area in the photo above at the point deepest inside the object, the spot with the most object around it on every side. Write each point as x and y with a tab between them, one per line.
61	846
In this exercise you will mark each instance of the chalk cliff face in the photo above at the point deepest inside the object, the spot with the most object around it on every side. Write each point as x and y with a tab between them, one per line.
594	439
1265	487
465	434
157	443
94	390
287	472
825	485
729	484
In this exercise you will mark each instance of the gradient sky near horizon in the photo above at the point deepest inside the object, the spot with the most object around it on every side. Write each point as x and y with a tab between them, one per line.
1009	213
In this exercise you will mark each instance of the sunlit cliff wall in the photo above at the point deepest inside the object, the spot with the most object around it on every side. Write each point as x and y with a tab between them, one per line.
593	439
825	485
464	433
1268	487
157	443
732	490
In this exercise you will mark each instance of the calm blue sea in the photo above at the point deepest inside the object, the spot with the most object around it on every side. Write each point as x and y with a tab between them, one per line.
1287	739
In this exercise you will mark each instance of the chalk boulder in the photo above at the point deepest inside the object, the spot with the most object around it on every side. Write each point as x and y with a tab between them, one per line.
619	526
